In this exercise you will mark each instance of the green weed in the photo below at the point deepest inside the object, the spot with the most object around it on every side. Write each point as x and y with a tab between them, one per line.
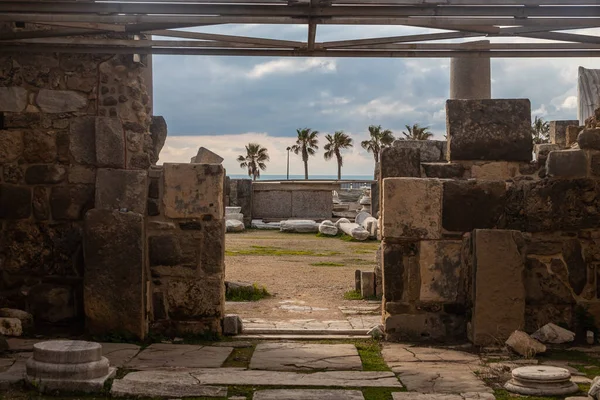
276	251
370	355
239	357
353	295
327	264
254	293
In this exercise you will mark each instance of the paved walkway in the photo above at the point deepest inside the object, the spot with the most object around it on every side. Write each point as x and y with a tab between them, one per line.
300	370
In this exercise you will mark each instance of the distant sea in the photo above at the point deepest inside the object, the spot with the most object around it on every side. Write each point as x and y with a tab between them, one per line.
301	177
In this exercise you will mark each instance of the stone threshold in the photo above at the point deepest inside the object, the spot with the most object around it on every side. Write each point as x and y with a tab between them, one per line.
300	337
306	332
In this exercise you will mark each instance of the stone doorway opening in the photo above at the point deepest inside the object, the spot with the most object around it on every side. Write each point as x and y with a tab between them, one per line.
310	281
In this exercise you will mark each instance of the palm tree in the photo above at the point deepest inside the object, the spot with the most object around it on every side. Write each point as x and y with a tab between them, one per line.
306	144
337	142
540	131
379	140
255	159
417	132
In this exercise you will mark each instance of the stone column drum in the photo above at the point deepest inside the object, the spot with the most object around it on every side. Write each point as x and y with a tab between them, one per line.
69	365
470	77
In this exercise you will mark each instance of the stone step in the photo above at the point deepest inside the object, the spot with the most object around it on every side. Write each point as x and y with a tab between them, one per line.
67	351
243	377
307	394
301	337
306	332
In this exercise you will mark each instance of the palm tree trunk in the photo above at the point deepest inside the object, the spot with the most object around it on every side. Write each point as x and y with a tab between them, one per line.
339	169
306	169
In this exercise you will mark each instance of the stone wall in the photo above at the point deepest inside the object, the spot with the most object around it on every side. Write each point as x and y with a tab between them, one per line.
514	247
62	117
239	194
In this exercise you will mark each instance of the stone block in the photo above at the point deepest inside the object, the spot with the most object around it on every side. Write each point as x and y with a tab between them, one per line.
82	140
71	202
110	143
121	189
400	162
190	299
114	278
23	316
52	303
412	208
589	139
430	150
41	206
558	131
60	101
400	270
164	250
45	173
241	196
367	284
82	174
440	271
444	170
312	204
495	130
494	170
542	150
193	191
424	327
205	156
39	146
158	133
272	204
15	202
498	261
11	145
13	99
375	199
232	324
469	205
10	327
594	164
567	164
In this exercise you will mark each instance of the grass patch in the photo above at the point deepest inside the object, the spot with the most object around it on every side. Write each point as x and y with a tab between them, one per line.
353	295
239	357
245	293
277	251
502	394
378	393
370	355
327	264
363	251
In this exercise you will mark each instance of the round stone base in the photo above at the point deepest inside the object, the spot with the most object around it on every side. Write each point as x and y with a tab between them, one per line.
89	370
67	351
541	389
47	385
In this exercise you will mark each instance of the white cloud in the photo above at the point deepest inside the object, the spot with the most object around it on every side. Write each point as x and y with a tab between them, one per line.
382	107
291	66
570	103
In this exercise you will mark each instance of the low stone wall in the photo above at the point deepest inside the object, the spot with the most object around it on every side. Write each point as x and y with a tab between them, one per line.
294	199
515	248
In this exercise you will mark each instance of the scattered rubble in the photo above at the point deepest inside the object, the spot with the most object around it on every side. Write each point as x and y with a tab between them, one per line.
328	228
234	225
299	226
357	232
25	317
10	327
551	333
521	343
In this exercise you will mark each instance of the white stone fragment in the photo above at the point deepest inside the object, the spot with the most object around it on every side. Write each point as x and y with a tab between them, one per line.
234	217
361	217
551	333
341	221
328	228
233	210
521	343
259	224
299	226
371	225
234	225
357	232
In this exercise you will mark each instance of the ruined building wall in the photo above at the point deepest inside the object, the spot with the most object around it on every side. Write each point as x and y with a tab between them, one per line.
63	118
514	248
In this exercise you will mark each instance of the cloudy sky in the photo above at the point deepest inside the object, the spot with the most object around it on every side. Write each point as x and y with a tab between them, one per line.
223	103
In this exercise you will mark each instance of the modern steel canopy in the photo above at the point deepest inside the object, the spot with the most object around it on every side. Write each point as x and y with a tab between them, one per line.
128	26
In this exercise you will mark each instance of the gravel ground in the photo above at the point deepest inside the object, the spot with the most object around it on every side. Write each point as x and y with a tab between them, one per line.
300	290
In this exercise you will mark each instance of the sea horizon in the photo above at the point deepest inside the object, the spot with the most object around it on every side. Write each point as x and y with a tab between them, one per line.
283	177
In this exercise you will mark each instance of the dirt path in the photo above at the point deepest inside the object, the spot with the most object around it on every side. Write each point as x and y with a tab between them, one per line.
307	275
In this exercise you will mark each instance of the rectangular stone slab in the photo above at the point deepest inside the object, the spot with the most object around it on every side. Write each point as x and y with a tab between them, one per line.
489	129
161	355
119	354
162	384
241	376
308	394
305	357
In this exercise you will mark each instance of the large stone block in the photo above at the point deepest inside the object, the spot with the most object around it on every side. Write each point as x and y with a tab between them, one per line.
114	278
424	327
15	202
121	189
13	99
39	146
400	162
40	203
193	190
558	131
439	262
11	145
82	140
110	143
412	208
545	284
190	299
430	150
52	303
240	195
60	101
401	278
71	202
46	173
489	130
444	170
312	204
164	250
469	205
158	133
498	261
272	204
567	164
205	156
542	150
494	170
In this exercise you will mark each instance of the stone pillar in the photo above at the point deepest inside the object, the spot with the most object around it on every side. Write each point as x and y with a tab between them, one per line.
470	77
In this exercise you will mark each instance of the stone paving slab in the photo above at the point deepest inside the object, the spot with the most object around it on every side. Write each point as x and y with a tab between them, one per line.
15	374
395	354
295	324
364	321
6	363
163	383
18	344
119	354
160	355
428	377
442	396
297	356
242	377
364	310
308	394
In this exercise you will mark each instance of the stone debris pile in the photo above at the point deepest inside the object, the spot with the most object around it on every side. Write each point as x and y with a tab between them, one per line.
15	322
523	344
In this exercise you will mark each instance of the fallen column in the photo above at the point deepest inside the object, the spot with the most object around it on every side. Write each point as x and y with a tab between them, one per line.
356	231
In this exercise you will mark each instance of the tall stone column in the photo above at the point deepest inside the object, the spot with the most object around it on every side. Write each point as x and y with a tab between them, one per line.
470	77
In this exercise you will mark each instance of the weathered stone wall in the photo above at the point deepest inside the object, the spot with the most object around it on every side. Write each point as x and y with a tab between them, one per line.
186	248
239	194
514	247
63	116
283	200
